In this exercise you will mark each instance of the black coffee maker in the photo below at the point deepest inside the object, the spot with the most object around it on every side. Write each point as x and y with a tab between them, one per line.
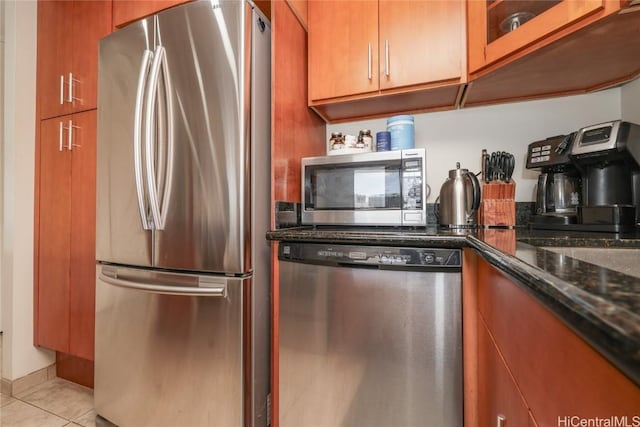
558	192
607	157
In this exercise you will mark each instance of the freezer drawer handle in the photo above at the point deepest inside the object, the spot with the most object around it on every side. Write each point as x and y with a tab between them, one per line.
209	287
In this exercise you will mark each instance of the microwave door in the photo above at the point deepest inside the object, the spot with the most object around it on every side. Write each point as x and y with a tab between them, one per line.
354	194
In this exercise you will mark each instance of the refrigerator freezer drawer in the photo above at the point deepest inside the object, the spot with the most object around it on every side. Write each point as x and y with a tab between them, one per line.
160	348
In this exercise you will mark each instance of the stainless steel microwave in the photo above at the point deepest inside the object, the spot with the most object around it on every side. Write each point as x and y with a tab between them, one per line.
384	188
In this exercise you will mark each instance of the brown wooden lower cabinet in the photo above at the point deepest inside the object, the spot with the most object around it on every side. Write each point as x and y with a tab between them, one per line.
65	263
535	370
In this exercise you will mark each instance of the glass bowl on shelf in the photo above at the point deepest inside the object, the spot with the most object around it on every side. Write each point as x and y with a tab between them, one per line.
514	20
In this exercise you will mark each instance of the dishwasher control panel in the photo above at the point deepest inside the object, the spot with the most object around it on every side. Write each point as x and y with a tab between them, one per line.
322	253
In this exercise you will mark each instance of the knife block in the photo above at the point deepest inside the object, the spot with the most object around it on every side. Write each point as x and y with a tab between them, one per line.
497	204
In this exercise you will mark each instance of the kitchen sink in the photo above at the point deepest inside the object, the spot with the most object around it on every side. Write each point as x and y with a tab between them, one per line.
623	260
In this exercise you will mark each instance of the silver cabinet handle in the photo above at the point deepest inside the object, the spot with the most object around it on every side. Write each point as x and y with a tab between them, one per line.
386	57
70	97
150	101
60	130
70	143
369	64
209	291
501	422
61	89
137	143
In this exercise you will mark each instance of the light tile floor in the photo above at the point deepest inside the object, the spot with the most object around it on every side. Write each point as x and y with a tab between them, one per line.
55	403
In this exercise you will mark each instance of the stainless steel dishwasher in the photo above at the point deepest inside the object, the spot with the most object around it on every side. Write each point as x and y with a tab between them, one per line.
370	336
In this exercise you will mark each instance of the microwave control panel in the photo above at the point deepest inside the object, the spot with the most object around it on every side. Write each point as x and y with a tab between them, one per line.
412	184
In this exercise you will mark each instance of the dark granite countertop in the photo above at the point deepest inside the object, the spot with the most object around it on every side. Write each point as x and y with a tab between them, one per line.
589	280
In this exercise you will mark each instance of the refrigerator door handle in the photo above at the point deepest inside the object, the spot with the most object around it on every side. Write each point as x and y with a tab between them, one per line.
150	101
137	143
168	174
207	287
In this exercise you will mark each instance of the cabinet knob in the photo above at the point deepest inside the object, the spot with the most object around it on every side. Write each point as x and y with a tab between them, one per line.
501	421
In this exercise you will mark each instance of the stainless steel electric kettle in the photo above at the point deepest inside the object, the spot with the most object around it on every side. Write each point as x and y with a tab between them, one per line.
459	199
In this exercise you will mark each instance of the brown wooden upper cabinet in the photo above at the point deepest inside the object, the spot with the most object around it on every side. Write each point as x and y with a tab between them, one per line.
126	11
68	34
499	28
364	49
343	48
533	49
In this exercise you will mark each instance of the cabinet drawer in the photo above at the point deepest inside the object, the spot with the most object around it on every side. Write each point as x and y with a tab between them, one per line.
498	394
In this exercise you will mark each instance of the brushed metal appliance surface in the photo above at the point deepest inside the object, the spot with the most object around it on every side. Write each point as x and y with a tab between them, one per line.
413	179
459	199
120	237
183	189
199	131
368	347
158	350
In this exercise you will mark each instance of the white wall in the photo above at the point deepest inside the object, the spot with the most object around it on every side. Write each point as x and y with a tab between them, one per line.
1	136
19	356
460	135
631	101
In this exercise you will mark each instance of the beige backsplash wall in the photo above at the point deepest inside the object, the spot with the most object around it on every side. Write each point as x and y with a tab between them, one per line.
460	135
630	94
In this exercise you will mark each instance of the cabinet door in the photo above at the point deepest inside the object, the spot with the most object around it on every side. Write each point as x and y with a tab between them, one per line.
54	236
54	57
343	48
558	373
68	35
498	395
499	28
91	21
82	266
421	42
127	11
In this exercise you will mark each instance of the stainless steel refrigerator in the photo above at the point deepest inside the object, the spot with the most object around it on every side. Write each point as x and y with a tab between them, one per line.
182	287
